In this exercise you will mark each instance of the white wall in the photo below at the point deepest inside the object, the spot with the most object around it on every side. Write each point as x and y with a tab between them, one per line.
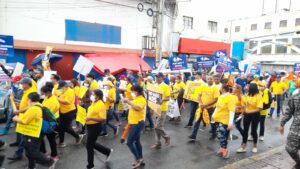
44	20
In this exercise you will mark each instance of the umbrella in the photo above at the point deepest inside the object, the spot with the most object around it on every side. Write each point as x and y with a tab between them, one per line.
52	58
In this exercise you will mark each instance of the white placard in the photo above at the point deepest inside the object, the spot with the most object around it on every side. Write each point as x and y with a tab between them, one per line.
18	69
83	66
123	84
47	75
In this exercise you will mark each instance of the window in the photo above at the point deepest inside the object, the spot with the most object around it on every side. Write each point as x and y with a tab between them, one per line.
226	30
253	27
187	22
266	46
281	46
283	24
252	45
212	26
237	29
296	43
268	25
297	22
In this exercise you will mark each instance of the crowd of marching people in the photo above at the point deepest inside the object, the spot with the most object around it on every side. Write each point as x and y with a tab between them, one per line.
45	110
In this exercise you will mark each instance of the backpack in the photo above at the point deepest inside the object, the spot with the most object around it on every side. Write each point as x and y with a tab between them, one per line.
49	123
266	106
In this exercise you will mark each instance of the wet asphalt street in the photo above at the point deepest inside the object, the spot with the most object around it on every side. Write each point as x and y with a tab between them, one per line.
181	154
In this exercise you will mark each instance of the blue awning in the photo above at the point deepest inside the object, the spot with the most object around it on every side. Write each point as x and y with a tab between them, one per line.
53	58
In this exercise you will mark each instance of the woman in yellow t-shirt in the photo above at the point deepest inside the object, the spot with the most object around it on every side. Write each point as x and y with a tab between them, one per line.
52	104
136	121
96	117
253	106
223	118
240	106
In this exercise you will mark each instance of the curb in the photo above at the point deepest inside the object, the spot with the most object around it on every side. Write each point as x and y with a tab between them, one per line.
253	159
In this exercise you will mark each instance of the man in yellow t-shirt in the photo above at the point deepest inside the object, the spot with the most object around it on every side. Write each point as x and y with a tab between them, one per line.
278	88
110	99
208	96
67	112
93	83
160	120
217	81
32	118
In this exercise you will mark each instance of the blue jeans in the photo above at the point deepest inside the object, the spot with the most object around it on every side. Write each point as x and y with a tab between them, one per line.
194	107
133	140
109	113
223	134
21	145
9	121
238	123
149	118
278	99
197	124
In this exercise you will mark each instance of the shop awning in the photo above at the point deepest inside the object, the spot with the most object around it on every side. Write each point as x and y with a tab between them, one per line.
117	62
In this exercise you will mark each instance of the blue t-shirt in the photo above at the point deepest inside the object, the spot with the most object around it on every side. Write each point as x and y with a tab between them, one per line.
241	82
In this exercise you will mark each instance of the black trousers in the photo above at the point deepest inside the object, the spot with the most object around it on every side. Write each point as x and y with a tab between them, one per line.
253	120
52	142
32	148
93	130
262	119
66	125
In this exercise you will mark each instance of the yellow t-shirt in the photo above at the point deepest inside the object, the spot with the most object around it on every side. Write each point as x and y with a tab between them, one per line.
96	110
166	92
176	88
134	117
257	82
68	96
278	88
52	104
24	100
240	102
225	104
219	86
253	102
32	115
56	92
76	90
94	85
34	85
208	94
111	94
128	91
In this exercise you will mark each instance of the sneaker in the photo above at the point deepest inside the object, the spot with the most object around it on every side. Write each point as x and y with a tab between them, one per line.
241	150
219	152
188	126
54	158
79	140
15	157
192	138
15	144
109	155
103	135
53	165
156	146
250	138
261	138
225	153
61	145
167	141
254	150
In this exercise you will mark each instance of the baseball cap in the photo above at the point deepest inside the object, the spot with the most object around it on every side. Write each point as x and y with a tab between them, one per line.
26	80
61	84
160	75
122	77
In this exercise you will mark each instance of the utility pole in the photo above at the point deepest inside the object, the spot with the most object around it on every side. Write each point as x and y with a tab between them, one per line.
159	31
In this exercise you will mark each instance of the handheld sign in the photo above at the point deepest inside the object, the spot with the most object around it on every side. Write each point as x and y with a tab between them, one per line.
83	66
190	92
154	98
18	69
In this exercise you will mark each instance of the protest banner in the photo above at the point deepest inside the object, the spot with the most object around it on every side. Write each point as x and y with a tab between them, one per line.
32	129
47	75
224	64
297	67
205	62
154	98
81	115
18	69
83	66
178	62
190	91
6	45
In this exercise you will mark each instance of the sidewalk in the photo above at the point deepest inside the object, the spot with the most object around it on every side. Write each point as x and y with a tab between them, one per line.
276	158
